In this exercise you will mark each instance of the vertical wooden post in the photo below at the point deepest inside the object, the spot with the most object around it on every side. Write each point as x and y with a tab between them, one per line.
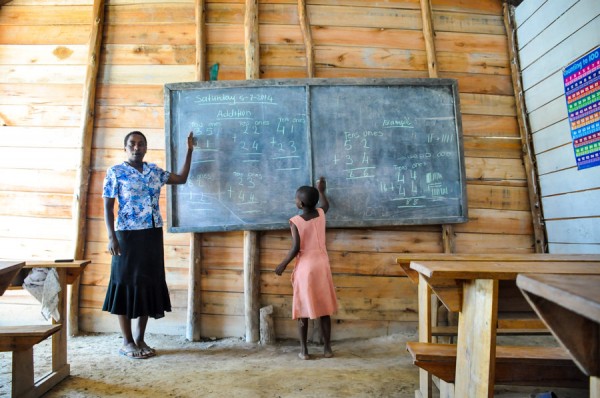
200	15
251	286
447	231
429	35
192	332
526	149
82	179
316	335
251	266
307	36
251	41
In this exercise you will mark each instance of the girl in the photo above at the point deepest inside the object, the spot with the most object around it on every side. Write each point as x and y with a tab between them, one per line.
314	294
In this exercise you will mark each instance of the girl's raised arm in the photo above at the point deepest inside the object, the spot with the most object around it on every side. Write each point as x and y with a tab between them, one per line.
321	186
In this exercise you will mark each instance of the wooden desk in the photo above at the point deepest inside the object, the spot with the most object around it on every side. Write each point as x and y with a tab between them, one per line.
8	270
570	306
67	273
471	288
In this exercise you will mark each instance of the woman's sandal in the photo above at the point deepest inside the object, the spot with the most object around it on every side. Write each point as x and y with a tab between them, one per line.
147	350
132	351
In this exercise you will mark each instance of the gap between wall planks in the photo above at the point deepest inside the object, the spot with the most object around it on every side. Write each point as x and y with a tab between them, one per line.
194	305
82	179
527	151
251	238
497	198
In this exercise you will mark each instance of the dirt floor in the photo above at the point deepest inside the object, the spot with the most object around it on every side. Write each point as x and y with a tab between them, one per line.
378	367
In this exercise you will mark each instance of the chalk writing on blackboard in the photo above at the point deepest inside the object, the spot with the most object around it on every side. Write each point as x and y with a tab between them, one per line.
391	151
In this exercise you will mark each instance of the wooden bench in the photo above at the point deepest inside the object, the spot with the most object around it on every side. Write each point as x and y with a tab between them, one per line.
451	331
515	365
470	284
515	315
20	340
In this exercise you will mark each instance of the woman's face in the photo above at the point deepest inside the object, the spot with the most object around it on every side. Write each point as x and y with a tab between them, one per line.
135	148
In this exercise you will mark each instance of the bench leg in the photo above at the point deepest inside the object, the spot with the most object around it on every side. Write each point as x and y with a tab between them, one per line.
594	387
22	373
424	296
446	389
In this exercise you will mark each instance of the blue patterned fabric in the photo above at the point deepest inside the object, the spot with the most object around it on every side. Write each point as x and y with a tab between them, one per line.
137	193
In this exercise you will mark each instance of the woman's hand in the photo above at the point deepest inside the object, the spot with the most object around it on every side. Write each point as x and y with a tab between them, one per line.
113	246
190	141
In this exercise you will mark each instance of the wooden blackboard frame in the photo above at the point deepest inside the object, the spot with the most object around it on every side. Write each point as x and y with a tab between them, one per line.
458	216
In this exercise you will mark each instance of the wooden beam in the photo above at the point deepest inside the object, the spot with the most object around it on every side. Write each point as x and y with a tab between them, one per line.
82	178
526	145
251	286
200	40
4	2
447	231
194	290
429	35
251	264
307	36
448	235
192	332
251	40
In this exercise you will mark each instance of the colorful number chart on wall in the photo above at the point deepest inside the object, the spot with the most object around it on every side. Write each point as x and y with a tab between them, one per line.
582	92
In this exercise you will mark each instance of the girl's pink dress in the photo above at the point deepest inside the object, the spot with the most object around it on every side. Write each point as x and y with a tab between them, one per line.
314	294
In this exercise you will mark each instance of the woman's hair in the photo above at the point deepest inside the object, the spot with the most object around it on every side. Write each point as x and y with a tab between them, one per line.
308	195
132	133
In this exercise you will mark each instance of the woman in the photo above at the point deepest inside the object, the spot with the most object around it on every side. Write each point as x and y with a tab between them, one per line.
137	287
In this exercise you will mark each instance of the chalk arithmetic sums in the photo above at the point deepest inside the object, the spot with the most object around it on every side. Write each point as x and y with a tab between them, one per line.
391	152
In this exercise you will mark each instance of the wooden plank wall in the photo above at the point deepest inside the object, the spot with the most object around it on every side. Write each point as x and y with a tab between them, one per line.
149	43
550	36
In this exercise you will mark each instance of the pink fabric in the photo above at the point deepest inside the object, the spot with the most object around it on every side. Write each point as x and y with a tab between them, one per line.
314	294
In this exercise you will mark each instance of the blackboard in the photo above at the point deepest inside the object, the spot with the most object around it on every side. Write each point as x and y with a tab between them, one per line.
391	150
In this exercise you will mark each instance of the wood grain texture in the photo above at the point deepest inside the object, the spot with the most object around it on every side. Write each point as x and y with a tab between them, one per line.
148	44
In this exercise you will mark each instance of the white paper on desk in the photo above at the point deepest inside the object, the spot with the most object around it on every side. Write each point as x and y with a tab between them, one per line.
43	284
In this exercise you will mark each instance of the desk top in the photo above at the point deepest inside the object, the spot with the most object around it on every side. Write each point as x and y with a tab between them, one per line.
501	270
406	258
54	264
578	293
8	270
73	268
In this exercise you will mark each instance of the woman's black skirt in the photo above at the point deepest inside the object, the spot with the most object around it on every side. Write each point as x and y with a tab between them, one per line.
137	284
